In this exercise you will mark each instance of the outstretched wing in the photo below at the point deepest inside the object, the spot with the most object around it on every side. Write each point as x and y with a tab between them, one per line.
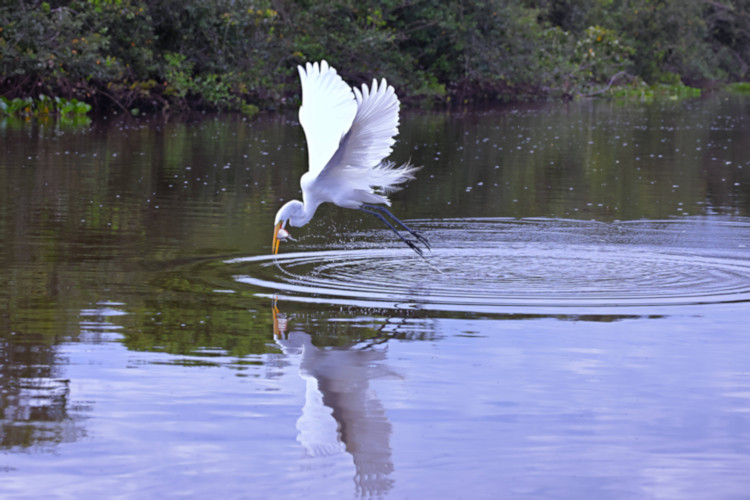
328	108
371	136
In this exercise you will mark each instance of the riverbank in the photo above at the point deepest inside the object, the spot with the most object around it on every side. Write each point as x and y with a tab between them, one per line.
157	56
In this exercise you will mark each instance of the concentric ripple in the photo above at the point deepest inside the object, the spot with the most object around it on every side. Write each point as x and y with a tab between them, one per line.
507	266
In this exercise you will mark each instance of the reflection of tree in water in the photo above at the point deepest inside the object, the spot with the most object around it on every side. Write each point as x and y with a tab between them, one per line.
35	402
341	410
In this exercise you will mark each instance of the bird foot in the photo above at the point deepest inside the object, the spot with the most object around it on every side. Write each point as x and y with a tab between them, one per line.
413	245
422	239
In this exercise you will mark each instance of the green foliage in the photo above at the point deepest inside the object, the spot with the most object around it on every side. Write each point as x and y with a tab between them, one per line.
638	89
227	54
739	87
42	106
584	63
118	48
694	39
601	54
249	110
178	75
82	40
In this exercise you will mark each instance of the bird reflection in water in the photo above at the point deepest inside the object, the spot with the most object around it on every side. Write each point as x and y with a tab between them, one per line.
341	411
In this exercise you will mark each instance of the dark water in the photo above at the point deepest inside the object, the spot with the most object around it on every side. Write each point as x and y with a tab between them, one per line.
579	329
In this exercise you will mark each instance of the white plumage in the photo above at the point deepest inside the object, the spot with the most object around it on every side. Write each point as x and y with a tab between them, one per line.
326	114
349	132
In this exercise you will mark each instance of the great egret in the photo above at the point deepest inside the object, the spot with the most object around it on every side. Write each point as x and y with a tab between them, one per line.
349	132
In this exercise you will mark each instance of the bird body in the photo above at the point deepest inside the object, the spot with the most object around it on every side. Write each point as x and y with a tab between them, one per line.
349	132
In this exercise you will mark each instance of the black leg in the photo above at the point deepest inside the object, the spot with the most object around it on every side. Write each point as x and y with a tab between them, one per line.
399	221
411	243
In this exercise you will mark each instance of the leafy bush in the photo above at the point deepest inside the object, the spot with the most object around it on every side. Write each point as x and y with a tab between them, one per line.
740	87
43	105
235	54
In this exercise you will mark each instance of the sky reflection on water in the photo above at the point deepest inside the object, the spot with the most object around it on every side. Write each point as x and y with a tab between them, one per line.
584	337
498	407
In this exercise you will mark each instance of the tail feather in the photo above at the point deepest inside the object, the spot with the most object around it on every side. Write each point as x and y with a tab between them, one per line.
386	178
355	186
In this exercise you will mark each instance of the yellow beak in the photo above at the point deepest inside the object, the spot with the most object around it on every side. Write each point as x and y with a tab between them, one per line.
276	241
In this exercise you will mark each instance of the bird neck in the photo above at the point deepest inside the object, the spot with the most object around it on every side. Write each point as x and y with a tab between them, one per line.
306	214
298	213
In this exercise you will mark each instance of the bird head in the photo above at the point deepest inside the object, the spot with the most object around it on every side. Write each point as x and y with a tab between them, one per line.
292	212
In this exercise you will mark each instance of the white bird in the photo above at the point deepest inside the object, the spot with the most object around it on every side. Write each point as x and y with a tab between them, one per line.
349	133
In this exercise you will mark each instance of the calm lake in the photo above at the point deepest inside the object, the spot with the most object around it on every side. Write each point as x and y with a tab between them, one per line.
579	329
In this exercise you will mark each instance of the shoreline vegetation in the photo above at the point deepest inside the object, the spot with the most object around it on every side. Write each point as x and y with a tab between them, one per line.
169	56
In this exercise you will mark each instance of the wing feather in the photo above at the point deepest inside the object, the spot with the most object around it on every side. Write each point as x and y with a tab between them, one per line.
371	136
327	111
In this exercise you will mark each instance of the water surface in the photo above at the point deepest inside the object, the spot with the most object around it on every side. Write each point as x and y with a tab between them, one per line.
577	331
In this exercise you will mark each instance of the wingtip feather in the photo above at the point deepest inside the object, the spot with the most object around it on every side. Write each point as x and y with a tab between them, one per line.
317	68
